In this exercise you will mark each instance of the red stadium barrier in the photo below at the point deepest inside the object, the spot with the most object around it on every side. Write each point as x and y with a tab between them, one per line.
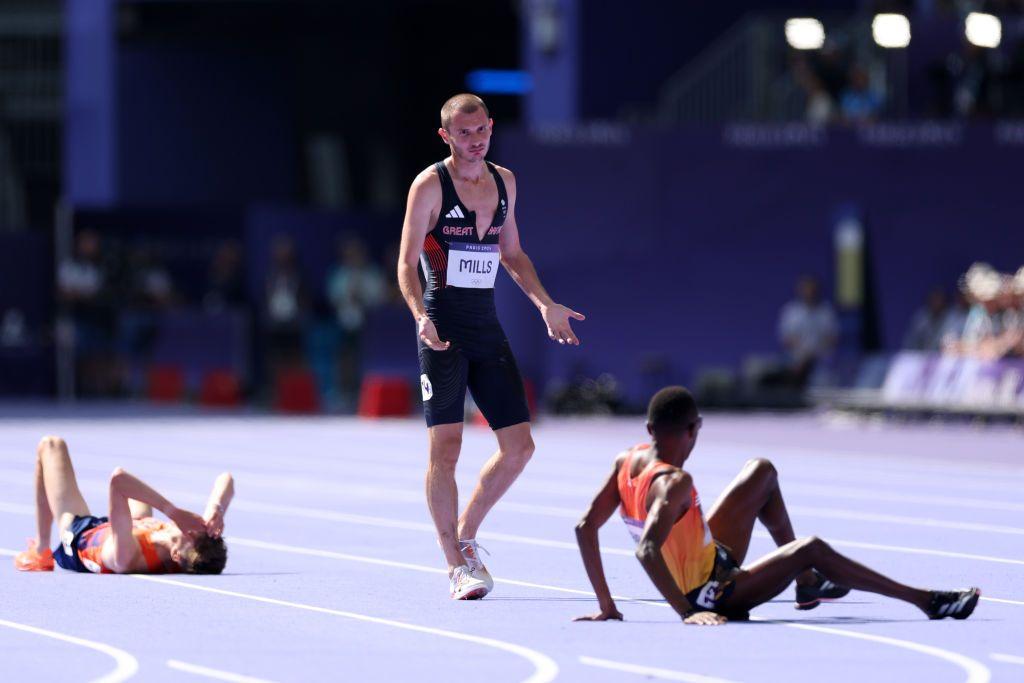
296	392
165	384
220	388
385	396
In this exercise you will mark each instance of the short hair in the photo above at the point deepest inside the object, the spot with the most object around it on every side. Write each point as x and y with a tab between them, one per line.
464	103
672	409
208	555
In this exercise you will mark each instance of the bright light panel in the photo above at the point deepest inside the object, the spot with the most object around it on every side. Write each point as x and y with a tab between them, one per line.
891	30
983	30
805	34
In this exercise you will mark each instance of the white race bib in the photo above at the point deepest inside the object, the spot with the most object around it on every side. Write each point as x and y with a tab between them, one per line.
472	265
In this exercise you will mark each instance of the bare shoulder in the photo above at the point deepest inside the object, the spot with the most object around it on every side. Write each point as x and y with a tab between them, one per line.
621	458
425	192
508	176
427	181
674	483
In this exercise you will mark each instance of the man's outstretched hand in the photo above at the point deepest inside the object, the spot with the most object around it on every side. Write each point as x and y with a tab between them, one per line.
556	317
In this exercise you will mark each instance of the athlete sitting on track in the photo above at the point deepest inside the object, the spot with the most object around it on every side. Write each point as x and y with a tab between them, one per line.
695	563
131	542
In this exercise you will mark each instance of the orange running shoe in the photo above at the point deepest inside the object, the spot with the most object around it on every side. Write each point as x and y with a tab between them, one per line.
32	560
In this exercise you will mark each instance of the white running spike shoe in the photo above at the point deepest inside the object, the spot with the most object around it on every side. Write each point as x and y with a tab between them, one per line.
464	586
470	550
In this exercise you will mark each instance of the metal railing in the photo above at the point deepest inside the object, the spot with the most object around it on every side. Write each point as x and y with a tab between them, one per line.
745	75
31	66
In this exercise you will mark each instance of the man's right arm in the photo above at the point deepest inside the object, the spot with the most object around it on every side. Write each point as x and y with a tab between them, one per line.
602	507
424	195
124	486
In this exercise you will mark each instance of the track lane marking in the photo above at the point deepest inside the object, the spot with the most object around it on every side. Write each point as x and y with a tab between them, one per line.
651	671
545	668
386	522
213	673
127	665
1007	659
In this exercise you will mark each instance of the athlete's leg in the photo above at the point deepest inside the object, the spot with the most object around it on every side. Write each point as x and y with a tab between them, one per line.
57	494
442	492
753	495
515	447
769	576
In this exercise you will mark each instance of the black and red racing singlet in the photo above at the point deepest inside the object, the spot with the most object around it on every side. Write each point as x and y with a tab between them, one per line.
453	254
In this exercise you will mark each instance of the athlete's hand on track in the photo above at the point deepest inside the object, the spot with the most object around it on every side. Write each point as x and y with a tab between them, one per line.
705	619
556	317
189	522
603	615
428	333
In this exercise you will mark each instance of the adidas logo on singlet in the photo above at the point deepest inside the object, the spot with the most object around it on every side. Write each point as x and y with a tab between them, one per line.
455	213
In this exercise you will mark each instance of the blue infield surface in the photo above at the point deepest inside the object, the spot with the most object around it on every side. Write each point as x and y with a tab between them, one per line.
334	574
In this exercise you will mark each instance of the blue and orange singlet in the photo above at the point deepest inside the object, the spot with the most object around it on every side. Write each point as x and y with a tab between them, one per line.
689	550
90	545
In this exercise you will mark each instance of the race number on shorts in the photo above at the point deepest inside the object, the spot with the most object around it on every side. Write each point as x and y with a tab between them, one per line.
706	597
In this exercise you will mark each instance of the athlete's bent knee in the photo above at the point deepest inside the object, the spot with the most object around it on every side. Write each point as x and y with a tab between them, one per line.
762	468
54	442
815	547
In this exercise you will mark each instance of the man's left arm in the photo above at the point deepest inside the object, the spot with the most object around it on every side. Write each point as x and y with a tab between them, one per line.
520	267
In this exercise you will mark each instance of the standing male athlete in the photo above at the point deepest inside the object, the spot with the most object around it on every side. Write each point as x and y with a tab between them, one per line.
459	225
130	541
694	562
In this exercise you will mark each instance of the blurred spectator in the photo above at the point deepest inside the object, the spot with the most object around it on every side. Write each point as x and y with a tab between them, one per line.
829	66
994	326
808	330
82	285
285	306
956	319
858	103
225	289
151	283
354	286
820	108
13	329
928	325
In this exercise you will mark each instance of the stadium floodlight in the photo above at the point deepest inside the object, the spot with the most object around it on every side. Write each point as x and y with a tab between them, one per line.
891	30
805	34
983	30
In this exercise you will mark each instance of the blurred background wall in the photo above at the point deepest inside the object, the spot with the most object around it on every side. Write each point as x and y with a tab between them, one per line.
167	165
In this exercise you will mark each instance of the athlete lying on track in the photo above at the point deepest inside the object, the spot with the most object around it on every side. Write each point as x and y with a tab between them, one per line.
695	563
132	541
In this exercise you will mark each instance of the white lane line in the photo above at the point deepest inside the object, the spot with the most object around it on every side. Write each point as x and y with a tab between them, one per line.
1007	659
1003	600
833	513
364	559
975	670
385	522
127	665
912	551
545	668
213	673
651	671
